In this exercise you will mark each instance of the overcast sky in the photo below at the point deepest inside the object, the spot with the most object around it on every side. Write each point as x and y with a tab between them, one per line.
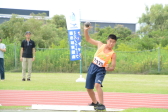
102	10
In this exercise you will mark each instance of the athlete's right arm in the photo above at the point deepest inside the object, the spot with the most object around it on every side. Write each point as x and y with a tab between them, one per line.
90	40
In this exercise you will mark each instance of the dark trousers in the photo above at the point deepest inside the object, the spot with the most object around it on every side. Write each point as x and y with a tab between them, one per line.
2	72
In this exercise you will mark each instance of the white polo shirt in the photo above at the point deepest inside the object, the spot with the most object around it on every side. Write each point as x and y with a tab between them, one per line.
2	46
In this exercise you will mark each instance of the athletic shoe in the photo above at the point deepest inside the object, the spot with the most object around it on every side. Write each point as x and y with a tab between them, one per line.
28	80
100	107
93	104
23	79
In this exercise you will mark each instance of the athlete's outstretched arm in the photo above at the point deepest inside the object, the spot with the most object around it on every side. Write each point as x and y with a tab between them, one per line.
90	40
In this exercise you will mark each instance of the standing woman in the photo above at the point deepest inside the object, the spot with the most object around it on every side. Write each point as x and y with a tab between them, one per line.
2	50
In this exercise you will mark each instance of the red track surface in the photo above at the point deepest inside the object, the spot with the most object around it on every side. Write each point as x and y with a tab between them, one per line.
112	100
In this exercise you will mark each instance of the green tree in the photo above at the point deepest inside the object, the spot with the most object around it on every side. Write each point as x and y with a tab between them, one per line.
12	29
43	33
39	15
122	32
59	21
146	43
119	30
155	18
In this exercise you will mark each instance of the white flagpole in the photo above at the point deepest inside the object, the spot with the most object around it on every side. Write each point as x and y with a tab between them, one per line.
80	79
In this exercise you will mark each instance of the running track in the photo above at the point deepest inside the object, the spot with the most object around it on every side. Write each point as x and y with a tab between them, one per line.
112	100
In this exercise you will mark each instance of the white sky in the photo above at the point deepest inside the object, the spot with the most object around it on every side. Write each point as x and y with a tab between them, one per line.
104	10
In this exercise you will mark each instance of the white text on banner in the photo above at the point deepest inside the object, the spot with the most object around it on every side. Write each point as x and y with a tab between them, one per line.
74	37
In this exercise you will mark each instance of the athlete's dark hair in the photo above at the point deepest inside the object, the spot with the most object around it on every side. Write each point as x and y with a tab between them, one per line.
112	36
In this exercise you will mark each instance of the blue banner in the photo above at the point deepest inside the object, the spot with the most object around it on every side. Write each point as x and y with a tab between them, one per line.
75	44
74	37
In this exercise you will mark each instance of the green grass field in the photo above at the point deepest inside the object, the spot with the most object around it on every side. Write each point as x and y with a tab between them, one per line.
127	83
157	84
145	110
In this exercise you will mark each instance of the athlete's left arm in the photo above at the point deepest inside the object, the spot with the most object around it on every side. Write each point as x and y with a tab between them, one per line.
113	64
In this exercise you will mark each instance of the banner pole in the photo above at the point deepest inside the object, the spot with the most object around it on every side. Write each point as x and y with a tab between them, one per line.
80	67
80	79
81	46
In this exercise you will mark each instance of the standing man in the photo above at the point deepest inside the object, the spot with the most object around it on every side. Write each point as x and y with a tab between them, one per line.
104	60
2	50
27	55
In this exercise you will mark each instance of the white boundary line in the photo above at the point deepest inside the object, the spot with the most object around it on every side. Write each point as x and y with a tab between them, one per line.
68	107
61	107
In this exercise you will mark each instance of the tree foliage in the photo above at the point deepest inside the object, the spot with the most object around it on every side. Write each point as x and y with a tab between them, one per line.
59	21
154	24
119	30
43	33
52	33
155	18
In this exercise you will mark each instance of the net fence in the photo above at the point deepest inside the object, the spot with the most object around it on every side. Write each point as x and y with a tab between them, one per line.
152	61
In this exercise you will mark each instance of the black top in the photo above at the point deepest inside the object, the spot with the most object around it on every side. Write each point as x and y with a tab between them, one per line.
27	48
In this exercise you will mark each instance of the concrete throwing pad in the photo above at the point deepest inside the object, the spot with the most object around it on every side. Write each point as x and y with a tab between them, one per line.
69	108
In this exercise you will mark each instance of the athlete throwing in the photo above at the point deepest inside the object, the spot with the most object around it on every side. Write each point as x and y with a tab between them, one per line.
104	60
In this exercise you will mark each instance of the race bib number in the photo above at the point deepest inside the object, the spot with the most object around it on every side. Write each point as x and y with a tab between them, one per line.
98	62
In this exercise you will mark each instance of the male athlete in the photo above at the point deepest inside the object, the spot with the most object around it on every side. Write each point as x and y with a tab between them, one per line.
104	60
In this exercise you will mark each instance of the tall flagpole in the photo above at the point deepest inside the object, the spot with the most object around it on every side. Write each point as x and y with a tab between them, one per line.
80	79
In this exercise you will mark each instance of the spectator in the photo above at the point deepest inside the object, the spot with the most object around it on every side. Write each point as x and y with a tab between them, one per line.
2	50
27	55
